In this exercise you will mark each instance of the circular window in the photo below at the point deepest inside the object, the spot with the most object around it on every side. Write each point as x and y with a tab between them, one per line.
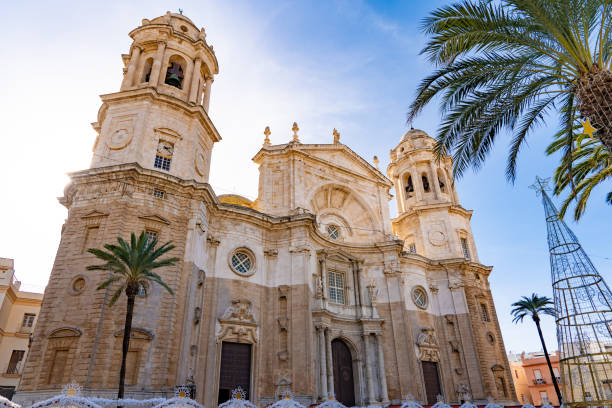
419	297
77	285
242	262
184	28
333	231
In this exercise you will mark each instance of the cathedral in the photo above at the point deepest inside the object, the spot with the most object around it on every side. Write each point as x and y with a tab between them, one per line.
311	288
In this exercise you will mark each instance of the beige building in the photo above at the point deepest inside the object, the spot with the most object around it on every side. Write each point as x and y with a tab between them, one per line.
18	312
311	287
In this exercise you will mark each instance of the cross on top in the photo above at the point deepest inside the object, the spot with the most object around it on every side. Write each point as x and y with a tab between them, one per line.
540	185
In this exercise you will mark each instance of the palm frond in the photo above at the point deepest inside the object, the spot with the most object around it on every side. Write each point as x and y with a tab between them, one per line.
132	263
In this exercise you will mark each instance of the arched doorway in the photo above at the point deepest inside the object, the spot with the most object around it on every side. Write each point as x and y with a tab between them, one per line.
344	387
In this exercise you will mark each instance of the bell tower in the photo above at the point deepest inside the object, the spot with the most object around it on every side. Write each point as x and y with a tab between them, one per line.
159	118
430	219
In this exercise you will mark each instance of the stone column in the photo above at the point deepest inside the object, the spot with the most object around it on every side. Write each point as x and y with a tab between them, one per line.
128	81
195	76
157	62
209	81
384	396
368	363
401	193
434	180
417	184
324	278
322	362
329	360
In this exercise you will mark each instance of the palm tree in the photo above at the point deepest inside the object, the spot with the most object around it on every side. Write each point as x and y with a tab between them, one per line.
507	64
132	265
586	164
535	306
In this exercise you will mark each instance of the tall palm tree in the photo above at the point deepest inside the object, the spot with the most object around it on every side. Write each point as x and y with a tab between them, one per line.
586	164
132	265
533	307
506	64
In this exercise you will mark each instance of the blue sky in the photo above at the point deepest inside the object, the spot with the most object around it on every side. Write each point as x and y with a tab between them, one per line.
350	65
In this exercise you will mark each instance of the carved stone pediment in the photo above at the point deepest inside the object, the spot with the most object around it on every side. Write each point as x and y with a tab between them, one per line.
427	345
238	323
94	217
155	219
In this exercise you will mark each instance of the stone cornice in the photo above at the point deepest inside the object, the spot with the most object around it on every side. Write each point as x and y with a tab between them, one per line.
302	149
14	334
149	92
136	173
416	210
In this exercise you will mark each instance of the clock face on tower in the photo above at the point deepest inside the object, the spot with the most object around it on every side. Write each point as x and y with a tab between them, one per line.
119	139
165	148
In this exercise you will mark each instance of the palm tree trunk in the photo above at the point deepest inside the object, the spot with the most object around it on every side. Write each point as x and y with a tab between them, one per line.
552	373
127	331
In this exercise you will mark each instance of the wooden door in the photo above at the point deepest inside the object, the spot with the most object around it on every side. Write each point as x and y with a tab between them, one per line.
344	387
235	369
432	381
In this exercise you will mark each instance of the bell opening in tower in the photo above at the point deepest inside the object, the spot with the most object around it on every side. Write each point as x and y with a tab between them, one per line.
174	75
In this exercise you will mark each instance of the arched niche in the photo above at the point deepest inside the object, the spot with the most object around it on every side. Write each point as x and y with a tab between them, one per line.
333	203
176	71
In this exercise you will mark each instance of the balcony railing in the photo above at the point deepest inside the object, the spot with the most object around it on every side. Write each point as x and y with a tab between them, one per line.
14	368
539	381
26	329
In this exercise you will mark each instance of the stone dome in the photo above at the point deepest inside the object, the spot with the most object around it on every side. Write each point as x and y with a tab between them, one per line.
413	134
235	199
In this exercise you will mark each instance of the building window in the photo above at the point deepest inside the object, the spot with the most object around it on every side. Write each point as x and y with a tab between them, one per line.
425	183
132	366
419	297
544	397
242	262
484	313
16	357
91	237
150	236
465	248
143	289
333	231
412	248
147	70
28	319
336	287
164	154
558	376
159	193
490	338
56	375
409	187
501	386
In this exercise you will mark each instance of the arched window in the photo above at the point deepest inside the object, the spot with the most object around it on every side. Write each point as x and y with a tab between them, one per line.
425	182
146	72
409	187
175	73
441	181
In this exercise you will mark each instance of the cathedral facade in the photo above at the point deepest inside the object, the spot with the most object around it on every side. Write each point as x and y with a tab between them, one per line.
311	288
